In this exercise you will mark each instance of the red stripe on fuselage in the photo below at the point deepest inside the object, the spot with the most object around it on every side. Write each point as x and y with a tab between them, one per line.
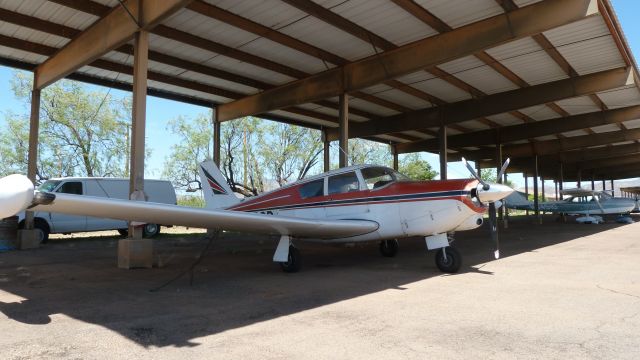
290	196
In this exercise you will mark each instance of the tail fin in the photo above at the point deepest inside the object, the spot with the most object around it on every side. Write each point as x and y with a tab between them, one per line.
217	193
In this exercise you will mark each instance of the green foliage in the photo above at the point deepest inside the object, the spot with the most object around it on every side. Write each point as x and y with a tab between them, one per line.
416	168
193	145
363	151
82	132
289	152
191	201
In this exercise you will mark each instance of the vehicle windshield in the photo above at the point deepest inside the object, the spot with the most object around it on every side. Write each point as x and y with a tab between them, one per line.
377	177
49	185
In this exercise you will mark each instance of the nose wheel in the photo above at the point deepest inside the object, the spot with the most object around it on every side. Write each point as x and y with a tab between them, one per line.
448	259
389	248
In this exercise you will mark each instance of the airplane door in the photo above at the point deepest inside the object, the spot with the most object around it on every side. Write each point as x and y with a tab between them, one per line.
69	223
312	204
347	199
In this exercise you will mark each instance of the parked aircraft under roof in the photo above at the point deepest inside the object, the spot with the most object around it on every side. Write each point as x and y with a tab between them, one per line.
579	201
348	205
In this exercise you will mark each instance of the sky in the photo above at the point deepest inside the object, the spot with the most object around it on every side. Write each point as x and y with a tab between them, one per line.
161	111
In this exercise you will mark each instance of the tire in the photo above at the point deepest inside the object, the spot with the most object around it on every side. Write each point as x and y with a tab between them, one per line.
150	230
452	263
42	228
389	248
294	261
123	232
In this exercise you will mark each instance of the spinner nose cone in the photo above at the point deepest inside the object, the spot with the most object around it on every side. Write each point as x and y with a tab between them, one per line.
16	194
496	192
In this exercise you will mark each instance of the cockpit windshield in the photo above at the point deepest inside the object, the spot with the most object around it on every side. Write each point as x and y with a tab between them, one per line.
49	185
377	177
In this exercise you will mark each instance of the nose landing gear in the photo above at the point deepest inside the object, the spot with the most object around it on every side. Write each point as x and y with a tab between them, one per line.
448	259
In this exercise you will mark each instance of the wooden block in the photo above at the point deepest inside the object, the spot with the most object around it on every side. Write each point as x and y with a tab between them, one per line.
135	253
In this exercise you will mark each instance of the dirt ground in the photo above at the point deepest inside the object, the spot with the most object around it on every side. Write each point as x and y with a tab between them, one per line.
560	291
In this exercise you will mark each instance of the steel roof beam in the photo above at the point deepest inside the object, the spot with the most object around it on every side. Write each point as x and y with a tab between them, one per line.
106	34
526	131
551	147
494	104
419	55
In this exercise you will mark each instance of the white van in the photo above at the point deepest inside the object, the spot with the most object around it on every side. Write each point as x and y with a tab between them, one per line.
159	191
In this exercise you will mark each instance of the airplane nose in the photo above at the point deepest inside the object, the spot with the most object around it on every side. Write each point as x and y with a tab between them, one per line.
496	192
16	194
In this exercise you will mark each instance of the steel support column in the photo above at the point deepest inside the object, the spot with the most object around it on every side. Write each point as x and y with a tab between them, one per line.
604	185
326	151
140	64
442	138
593	182
394	152
344	130
561	184
579	178
526	189
536	204
613	189
32	166
216	137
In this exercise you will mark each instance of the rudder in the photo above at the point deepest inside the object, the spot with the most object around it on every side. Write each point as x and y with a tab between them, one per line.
217	193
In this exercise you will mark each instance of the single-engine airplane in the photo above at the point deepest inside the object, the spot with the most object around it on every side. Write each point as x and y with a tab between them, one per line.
580	201
348	205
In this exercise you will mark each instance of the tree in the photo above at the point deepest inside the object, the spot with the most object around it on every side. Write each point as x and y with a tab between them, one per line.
82	132
194	145
416	168
290	152
363	151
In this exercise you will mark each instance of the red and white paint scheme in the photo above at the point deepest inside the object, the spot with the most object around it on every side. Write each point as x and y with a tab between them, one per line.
352	204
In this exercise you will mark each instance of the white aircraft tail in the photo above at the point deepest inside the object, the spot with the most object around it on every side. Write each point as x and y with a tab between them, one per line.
217	193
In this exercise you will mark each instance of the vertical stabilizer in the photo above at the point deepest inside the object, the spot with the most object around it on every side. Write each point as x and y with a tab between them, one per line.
217	193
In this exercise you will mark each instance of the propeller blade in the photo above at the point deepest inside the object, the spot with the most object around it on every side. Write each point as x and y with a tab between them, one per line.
493	224
16	194
485	186
503	169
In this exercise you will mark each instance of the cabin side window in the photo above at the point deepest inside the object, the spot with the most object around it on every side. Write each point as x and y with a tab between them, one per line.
376	177
312	189
71	187
343	183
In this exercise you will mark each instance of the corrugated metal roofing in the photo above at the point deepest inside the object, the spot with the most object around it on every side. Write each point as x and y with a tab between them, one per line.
587	45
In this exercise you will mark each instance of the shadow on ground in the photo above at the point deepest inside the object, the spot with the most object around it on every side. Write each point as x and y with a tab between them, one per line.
78	278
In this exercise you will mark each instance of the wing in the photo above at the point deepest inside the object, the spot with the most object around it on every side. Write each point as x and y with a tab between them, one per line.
204	218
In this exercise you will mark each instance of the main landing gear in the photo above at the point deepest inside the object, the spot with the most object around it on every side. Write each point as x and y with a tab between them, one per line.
287	255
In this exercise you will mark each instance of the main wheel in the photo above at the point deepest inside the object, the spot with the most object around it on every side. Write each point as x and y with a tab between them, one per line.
150	230
453	261
293	262
389	248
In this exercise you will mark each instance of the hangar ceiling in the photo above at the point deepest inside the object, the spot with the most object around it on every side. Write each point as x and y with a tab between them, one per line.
553	79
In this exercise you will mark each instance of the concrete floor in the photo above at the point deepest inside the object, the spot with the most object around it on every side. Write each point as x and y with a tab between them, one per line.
560	291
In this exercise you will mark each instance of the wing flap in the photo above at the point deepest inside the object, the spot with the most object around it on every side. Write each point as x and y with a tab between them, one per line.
166	214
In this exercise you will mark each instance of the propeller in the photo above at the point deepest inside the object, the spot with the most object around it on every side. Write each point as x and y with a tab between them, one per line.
492	193
485	186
